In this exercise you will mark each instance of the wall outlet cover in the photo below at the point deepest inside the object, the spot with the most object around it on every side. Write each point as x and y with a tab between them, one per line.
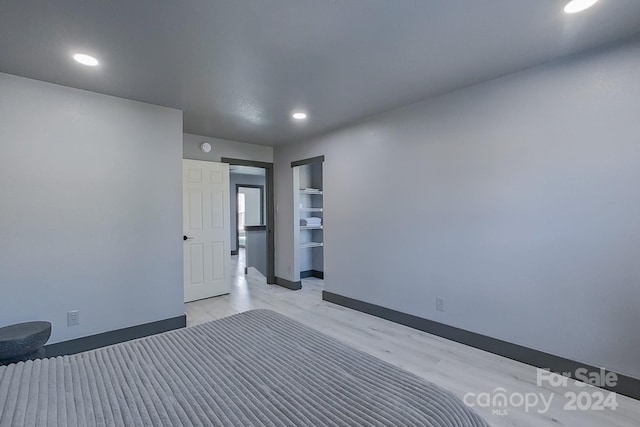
73	318
439	304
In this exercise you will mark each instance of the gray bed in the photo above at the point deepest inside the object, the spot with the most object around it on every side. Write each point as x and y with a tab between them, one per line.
254	368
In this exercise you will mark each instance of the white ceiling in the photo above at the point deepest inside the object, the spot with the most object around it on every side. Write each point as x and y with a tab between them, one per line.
238	67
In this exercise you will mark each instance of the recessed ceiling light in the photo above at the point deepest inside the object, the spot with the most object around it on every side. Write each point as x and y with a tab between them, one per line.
575	6
299	115
85	59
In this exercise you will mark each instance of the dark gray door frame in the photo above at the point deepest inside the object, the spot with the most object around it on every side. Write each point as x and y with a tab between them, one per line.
271	211
317	159
238	187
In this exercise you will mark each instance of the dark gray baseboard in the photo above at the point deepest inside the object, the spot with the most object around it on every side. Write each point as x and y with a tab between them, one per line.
312	273
627	386
114	337
234	253
294	286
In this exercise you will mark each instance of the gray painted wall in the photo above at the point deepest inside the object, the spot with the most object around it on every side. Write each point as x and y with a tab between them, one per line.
90	211
256	253
224	148
515	200
236	178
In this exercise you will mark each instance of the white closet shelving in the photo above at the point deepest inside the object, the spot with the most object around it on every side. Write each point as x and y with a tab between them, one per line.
310	206
312	245
309	236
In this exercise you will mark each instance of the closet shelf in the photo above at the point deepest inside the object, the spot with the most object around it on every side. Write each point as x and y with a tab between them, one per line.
306	227
310	209
311	245
303	191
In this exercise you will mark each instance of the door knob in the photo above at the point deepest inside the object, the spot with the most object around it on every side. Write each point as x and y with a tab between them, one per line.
186	238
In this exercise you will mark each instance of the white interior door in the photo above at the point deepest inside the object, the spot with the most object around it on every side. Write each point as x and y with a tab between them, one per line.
207	252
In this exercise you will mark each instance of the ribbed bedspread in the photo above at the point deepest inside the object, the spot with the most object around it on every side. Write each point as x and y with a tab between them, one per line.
253	368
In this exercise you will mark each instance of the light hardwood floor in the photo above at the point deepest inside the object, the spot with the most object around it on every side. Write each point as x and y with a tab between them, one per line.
455	367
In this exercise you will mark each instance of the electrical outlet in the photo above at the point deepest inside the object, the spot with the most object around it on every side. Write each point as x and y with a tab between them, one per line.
439	304
73	318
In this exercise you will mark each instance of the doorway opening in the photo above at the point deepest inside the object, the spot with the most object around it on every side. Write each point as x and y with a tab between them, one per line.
250	205
252	216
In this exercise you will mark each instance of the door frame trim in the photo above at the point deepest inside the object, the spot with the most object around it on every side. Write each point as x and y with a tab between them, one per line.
317	159
270	199
238	186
